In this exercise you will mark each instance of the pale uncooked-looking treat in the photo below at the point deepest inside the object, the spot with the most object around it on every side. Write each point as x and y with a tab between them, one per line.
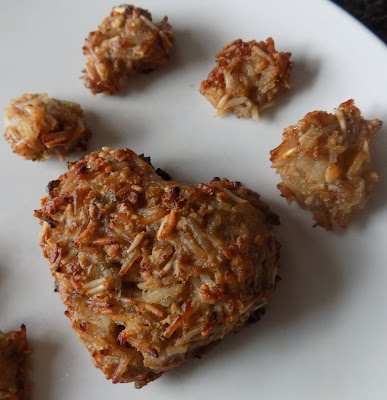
247	78
13	374
126	42
324	162
152	272
38	127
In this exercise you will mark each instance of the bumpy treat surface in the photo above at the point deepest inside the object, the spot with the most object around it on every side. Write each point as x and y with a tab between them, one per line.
13	375
247	78
153	271
126	42
324	162
38	127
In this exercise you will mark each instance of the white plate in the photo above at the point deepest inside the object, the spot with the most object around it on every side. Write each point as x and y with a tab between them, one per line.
324	333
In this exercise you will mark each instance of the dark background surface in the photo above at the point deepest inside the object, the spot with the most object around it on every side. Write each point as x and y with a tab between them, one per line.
372	13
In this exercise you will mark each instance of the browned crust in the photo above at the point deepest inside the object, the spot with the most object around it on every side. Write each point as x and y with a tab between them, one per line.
126	42
39	127
324	162
247	78
13	374
153	271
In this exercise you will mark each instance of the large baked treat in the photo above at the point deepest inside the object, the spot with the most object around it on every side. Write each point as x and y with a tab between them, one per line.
153	271
324	163
13	374
247	78
126	42
38	127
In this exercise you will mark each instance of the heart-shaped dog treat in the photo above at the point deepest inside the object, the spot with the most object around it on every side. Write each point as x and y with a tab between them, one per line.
152	271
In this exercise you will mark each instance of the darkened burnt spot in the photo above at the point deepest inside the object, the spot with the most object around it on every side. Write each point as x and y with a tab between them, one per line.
82	170
116	264
52	185
56	288
181	203
119	329
83	326
160	172
58	269
146	159
145	67
171	195
152	351
51	221
255	316
272	219
216	179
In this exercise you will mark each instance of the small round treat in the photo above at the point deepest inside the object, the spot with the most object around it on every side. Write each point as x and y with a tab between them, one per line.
152	271
324	162
247	78
126	42
39	127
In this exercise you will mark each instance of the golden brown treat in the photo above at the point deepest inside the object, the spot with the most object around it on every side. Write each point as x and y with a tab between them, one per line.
39	127
324	162
13	374
247	78
126	42
151	271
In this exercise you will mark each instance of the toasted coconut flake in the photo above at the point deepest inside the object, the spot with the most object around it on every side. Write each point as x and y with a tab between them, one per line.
136	242
173	350
95	283
366	149
167	225
234	197
255	113
289	153
227	50
149	23
133	257
222	101
98	289
256	49
120	370
332	173
340	117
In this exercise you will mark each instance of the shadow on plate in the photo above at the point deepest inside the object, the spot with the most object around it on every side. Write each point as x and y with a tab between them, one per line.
106	133
2	284
378	200
42	377
304	73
